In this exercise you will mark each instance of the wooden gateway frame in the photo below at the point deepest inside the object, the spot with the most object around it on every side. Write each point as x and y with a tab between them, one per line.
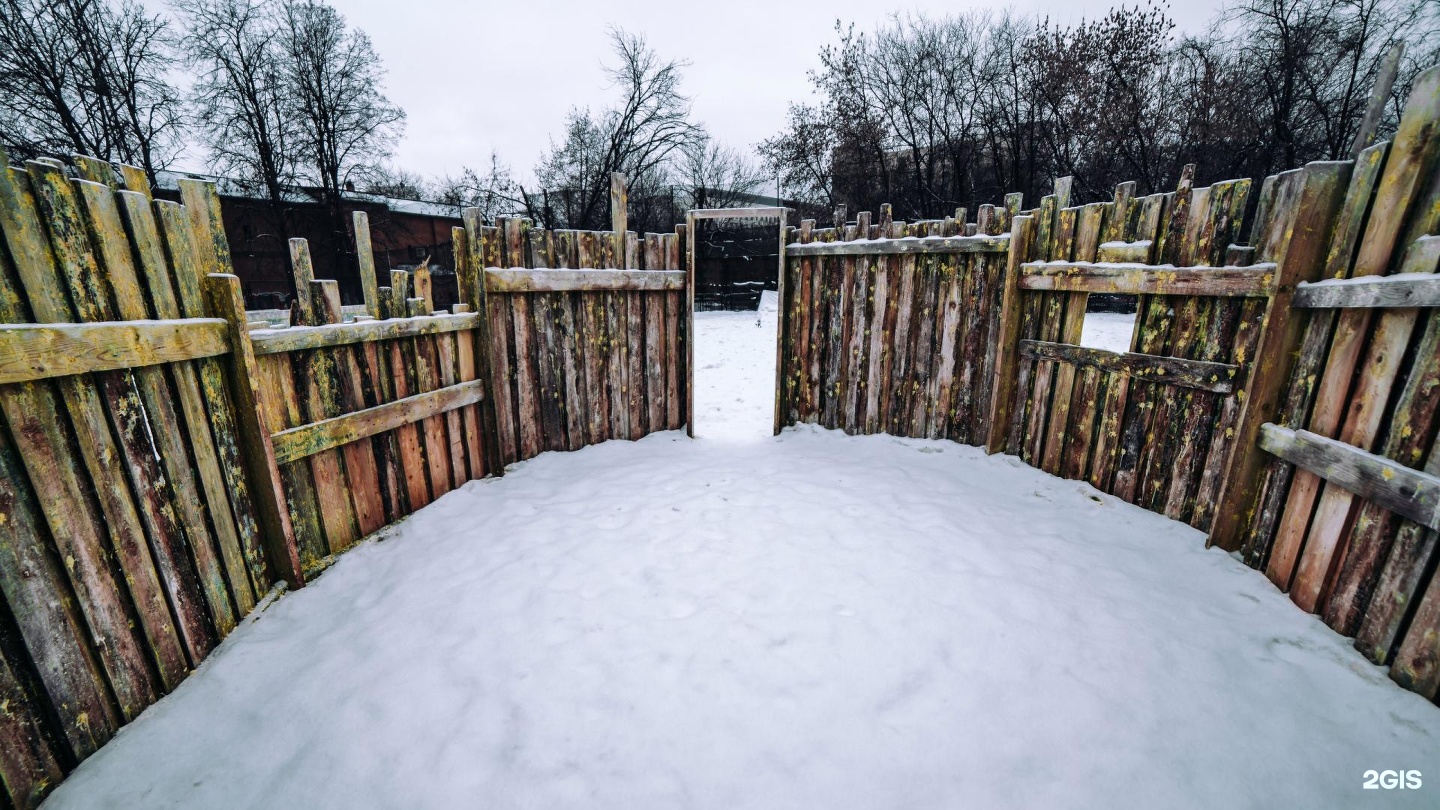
778	213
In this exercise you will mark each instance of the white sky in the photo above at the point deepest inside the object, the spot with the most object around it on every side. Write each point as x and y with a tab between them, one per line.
480	76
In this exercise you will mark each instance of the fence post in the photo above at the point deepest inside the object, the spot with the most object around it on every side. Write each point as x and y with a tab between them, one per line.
687	261
1007	362
1300	258
782	318
619	215
223	300
471	277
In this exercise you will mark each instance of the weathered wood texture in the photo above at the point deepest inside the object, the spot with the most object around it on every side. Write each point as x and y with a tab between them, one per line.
1154	426
1336	530
371	419
890	327
129	542
587	334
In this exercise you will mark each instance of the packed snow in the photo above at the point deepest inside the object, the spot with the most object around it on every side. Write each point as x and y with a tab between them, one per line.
1107	330
748	621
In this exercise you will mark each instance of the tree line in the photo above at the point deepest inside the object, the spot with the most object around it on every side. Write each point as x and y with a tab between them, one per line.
927	113
932	113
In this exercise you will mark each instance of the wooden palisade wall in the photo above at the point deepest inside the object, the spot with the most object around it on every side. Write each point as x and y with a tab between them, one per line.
165	462
1281	389
588	334
133	535
887	325
1340	509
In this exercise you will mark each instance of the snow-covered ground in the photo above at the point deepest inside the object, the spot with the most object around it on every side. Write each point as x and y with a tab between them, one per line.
1107	330
745	621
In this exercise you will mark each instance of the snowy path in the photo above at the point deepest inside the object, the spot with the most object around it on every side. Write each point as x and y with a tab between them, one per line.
751	622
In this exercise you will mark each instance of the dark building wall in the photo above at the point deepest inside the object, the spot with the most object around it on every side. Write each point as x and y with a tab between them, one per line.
400	241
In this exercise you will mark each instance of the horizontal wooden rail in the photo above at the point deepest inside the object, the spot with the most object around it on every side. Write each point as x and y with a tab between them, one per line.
1402	290
766	212
520	280
38	351
1405	491
307	440
1252	281
909	244
1199	374
297	338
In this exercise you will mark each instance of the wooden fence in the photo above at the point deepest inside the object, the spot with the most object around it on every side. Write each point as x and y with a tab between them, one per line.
167	459
1291	417
582	354
165	462
888	325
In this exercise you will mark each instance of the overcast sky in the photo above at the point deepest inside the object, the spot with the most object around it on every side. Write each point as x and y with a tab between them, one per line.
480	76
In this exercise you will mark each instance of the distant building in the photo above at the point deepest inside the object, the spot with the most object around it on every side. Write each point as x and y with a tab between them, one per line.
402	232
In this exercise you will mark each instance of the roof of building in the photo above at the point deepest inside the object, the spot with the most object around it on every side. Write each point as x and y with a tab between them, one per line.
305	195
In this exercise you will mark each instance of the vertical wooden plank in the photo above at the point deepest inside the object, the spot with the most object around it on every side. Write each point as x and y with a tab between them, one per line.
1006	388
485	340
783	318
177	520
1257	509
140	225
1412	156
1153	321
571	374
182	232
898	385
1388	341
30	758
688	324
261	481
923	335
318	380
454	429
31	574
501	326
89	402
412	452
1375	528
465	353
654	341
365	257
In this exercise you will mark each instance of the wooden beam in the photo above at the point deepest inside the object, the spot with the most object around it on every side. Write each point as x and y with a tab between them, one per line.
328	434
1007	362
522	279
41	351
223	299
365	257
1199	374
1403	490
1298	237
1404	290
911	244
296	338
1253	281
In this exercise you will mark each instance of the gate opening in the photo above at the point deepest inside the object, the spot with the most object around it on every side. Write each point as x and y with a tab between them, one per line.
736	255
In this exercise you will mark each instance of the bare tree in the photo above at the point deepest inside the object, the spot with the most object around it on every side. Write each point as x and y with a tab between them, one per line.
714	175
494	190
242	95
88	76
640	137
397	183
345	127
